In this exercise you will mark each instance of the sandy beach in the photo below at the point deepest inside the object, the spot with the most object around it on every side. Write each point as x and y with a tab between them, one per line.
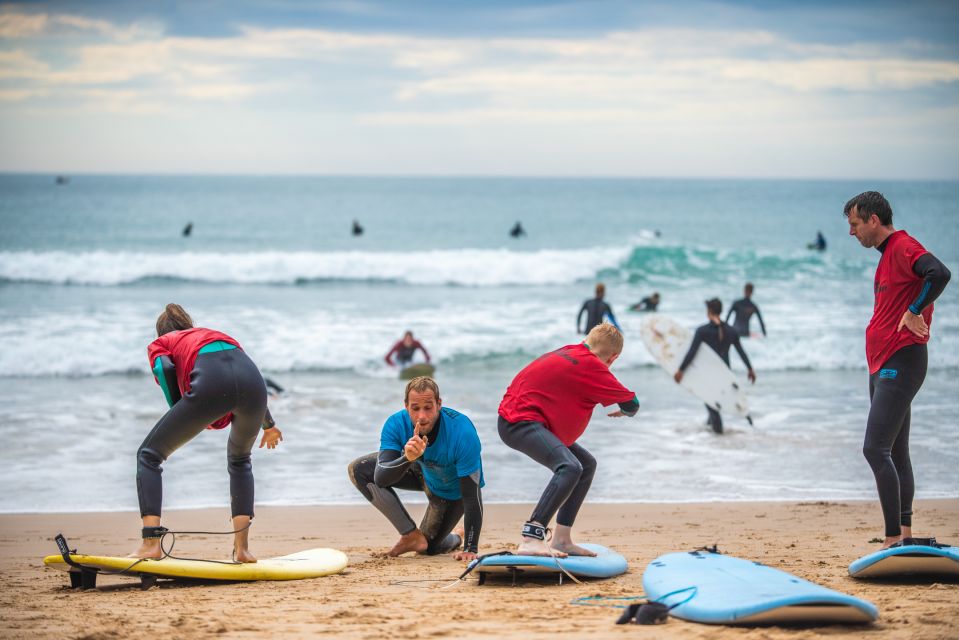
380	597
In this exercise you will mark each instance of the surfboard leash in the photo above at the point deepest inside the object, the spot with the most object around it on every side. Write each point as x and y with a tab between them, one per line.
168	553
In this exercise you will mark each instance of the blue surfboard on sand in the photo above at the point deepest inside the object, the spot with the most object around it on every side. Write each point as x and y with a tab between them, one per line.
720	589
606	564
908	560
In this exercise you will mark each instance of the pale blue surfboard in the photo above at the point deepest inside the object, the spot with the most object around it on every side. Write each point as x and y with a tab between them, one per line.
910	560
720	589
606	564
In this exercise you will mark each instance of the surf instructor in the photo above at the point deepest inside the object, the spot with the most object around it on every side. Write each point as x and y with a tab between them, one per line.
209	383
908	279
430	448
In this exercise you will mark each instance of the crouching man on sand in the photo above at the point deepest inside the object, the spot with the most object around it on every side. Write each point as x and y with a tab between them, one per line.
545	410
431	448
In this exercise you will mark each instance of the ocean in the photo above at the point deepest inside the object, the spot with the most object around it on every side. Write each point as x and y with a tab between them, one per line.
85	268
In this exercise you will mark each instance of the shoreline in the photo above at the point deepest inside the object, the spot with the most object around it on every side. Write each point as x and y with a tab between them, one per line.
815	540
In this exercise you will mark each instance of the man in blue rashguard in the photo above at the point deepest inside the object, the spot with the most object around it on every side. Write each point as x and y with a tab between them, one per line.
431	448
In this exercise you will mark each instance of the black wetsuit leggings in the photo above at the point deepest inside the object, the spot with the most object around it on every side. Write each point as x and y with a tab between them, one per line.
221	382
441	514
573	469
886	446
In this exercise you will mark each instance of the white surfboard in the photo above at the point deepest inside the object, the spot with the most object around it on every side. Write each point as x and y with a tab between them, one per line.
707	377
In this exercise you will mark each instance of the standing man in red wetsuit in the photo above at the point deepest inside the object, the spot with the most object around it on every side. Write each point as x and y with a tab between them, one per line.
908	280
545	410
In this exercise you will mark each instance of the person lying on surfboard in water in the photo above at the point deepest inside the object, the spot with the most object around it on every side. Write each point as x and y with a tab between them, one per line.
209	383
546	409
430	448
404	350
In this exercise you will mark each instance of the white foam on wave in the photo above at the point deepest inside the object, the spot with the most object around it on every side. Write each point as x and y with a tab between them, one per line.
465	267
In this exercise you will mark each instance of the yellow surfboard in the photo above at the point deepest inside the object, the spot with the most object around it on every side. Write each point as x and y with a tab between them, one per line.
313	563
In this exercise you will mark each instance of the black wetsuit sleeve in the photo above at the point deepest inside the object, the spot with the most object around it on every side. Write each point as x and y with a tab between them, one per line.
693	348
579	318
472	511
729	313
630	408
762	325
165	373
734	338
268	421
390	467
936	277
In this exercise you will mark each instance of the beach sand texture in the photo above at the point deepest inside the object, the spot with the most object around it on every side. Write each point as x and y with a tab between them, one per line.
398	598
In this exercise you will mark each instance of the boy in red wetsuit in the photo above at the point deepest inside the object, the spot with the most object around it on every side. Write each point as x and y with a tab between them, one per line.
545	410
908	280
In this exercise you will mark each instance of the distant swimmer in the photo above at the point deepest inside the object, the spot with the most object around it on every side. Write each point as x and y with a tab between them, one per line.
908	279
61	180
205	375
819	244
188	229
517	230
648	303
719	336
595	309
357	228
405	349
745	308
545	410
433	449
272	387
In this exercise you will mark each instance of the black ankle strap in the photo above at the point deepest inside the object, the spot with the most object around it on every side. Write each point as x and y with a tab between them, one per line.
533	530
153	532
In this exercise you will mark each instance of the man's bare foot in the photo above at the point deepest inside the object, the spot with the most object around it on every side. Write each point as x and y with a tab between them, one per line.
412	541
149	550
571	549
243	555
536	547
890	540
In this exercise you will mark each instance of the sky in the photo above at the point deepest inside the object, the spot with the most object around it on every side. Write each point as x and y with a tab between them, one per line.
395	87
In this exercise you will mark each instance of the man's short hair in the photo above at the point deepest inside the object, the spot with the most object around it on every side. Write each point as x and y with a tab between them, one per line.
748	288
868	204
715	306
605	340
421	384
600	290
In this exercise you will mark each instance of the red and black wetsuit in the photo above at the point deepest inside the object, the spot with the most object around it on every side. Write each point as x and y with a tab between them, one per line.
907	278
215	384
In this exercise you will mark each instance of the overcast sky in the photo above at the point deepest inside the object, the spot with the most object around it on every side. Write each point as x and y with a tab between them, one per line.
580	88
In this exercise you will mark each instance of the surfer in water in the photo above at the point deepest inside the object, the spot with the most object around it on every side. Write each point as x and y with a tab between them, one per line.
908	279
430	448
595	309
745	309
209	383
649	303
719	336
546	408
404	350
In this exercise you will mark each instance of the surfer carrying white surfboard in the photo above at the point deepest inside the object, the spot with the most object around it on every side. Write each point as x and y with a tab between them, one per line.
719	336
546	409
434	449
209	383
908	279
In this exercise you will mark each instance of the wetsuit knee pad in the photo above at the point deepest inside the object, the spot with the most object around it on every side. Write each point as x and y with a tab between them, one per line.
239	463
149	458
569	468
